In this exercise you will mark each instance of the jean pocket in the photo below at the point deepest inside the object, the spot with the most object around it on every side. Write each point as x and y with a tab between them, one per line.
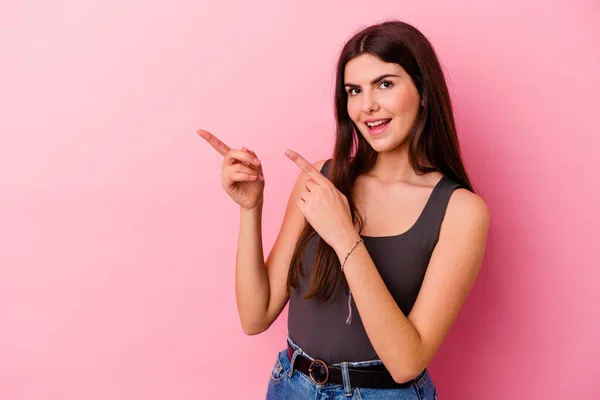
280	369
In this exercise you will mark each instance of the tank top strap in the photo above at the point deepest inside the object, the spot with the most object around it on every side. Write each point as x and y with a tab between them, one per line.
435	209
326	167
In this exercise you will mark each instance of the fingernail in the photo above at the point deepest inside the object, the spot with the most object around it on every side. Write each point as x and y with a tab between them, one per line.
288	153
262	178
244	149
256	161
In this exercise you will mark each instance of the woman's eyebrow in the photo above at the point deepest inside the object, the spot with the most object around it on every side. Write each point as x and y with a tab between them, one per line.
374	81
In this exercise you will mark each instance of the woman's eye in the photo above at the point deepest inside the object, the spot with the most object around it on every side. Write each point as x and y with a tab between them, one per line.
386	84
352	92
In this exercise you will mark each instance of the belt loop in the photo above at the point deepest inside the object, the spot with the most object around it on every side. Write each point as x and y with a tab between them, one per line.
295	347
296	353
346	380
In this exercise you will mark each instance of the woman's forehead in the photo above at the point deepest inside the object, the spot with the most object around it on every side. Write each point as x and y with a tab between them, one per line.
366	67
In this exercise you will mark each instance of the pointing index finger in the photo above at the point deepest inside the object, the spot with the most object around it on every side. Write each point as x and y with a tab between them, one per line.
306	167
214	142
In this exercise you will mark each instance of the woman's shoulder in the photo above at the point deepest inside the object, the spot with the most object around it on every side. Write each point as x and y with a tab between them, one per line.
321	163
466	206
323	166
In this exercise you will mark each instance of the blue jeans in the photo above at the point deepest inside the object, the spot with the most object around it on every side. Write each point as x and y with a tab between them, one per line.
287	383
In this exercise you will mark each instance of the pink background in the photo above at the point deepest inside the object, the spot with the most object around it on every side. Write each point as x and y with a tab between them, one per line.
118	244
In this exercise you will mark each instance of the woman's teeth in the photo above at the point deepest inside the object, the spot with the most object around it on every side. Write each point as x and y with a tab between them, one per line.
377	123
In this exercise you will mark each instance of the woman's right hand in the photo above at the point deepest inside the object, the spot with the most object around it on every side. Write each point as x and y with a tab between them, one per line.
241	173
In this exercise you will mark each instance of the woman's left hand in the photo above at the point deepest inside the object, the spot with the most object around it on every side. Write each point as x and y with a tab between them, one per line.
324	206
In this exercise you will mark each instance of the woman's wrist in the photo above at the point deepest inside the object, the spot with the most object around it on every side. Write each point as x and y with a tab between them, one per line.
345	242
256	210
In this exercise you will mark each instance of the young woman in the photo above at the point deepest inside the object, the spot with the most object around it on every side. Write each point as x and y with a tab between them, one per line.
379	246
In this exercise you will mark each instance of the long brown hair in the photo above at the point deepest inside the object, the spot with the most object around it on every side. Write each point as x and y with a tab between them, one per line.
432	140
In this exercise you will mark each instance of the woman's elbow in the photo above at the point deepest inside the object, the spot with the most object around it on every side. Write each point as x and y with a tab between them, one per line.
254	329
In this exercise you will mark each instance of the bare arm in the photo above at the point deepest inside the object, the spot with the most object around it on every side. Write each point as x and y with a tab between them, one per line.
261	287
251	279
407	344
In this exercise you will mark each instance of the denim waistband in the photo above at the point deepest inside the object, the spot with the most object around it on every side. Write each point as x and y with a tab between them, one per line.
418	381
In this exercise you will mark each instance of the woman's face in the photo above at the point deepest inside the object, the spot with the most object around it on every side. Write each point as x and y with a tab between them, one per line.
383	101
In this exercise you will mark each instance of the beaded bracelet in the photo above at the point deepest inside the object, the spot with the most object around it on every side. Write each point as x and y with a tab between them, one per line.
355	244
349	320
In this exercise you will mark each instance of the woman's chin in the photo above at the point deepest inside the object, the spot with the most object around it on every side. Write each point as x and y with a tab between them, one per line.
386	146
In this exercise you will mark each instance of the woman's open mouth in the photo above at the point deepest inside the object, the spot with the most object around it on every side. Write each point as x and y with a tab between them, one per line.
377	127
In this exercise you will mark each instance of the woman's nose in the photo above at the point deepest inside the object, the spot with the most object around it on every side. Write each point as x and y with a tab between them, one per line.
369	104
